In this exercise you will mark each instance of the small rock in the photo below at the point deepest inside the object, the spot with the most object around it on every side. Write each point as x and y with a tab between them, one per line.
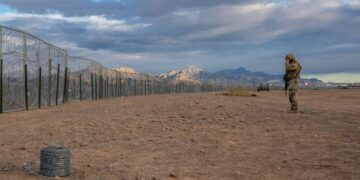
202	151
7	166
172	175
83	144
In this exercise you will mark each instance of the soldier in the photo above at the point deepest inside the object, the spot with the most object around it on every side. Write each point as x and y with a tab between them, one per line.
292	76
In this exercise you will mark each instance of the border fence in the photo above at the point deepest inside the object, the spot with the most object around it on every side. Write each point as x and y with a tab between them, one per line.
36	74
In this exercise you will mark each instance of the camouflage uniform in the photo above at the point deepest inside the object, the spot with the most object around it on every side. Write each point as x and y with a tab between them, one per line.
293	69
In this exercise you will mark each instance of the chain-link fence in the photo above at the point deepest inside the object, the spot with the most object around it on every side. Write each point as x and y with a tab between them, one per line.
36	74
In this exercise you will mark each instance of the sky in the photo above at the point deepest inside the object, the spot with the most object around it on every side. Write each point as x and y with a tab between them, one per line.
156	36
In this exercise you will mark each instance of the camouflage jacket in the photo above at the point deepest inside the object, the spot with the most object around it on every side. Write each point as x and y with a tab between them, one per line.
293	69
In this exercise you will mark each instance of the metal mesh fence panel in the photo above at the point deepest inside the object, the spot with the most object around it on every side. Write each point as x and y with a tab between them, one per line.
13	70
44	59
33	65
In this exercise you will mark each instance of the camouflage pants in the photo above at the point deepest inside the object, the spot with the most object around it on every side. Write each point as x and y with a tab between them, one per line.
293	88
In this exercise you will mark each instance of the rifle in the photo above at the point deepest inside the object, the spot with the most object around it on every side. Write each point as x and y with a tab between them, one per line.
286	80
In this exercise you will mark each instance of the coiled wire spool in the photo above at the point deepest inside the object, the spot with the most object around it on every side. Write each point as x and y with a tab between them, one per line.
55	161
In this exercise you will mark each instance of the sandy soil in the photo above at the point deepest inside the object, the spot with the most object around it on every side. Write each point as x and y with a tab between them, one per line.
191	136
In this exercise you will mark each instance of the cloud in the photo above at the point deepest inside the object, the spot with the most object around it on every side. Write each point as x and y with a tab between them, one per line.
158	35
100	22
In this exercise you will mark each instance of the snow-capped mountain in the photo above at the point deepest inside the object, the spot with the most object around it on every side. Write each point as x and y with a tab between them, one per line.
190	74
125	70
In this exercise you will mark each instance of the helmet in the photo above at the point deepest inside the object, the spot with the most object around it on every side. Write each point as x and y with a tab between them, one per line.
290	56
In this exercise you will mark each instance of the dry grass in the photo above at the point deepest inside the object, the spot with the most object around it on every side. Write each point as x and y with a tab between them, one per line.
239	92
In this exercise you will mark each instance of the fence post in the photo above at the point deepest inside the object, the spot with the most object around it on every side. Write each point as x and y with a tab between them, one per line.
68	85
101	87
49	79
1	72
104	87
26	87
121	87
65	83
92	86
114	80
57	84
68	77
25	72
111	88
117	87
150	87
125	87
1	84
39	95
145	87
135	87
107	87
96	87
39	84
80	87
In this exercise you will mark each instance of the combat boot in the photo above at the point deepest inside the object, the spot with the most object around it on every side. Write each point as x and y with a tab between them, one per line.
294	109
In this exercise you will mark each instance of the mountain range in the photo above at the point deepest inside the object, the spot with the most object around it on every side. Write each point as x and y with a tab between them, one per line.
239	76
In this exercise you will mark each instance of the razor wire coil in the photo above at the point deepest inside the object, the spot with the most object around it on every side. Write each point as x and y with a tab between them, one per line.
55	161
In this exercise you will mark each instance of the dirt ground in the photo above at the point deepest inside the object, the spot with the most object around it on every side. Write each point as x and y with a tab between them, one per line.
191	136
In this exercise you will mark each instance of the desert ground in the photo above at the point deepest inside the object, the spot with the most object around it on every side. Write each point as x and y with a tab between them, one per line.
191	136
